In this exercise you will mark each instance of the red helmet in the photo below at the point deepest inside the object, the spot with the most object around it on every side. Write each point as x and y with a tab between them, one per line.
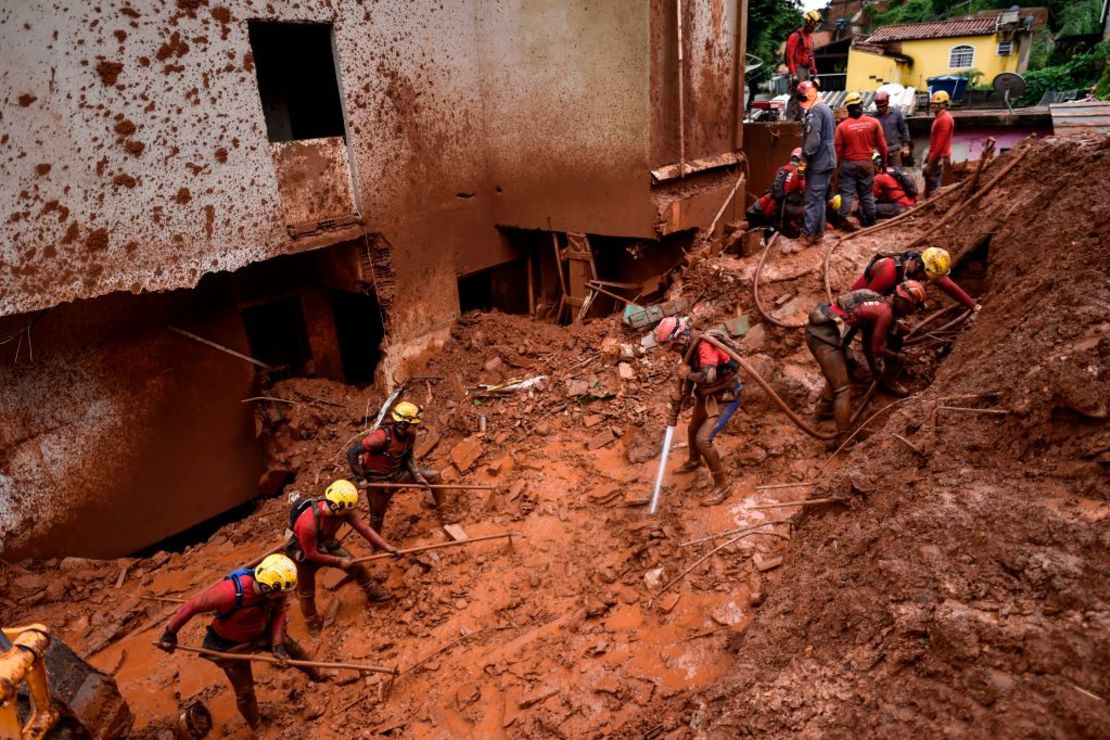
882	97
912	291
797	153
805	87
669	328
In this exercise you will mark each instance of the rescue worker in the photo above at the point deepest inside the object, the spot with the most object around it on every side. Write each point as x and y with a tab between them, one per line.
385	456
250	609
891	197
314	546
940	141
780	206
885	271
830	329
713	378
801	64
818	149
856	138
895	129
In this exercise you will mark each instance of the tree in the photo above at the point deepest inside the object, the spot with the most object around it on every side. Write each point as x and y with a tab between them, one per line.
770	23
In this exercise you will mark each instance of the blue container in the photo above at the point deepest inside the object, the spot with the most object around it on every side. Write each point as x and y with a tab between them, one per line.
951	84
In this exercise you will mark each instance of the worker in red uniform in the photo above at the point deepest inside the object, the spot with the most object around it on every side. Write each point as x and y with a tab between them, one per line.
940	141
857	137
250	608
801	63
385	456
890	186
829	331
712	377
780	206
885	271
314	546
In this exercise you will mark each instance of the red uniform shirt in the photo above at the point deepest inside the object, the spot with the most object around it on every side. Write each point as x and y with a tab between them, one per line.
874	318
304	529
385	450
799	52
885	276
257	617
794	182
890	190
857	138
940	136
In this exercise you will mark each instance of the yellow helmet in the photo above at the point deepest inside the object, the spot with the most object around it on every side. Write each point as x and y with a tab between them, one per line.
341	494
276	573
834	202
937	262
812	16
940	96
407	412
853	98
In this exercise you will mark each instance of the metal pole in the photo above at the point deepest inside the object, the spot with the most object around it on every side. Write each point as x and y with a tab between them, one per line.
681	99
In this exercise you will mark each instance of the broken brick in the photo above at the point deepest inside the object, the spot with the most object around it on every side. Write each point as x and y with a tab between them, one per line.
602	439
465	453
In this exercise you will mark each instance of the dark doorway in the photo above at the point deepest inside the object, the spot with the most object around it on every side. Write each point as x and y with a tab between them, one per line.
360	328
277	333
504	288
295	66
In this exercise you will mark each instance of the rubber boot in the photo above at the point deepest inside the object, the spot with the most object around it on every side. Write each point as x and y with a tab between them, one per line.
375	594
720	490
312	620
688	467
248	707
377	521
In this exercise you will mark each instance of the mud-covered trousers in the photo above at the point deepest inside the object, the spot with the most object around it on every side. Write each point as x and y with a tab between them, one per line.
817	192
379	497
241	676
825	343
306	580
858	178
711	413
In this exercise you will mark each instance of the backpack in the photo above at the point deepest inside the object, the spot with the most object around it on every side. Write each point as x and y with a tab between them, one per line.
297	504
909	187
234	577
900	258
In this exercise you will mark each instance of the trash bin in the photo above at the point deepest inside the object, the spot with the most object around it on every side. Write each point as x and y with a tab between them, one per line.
953	85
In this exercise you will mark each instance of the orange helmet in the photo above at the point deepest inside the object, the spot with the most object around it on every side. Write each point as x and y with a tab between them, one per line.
912	291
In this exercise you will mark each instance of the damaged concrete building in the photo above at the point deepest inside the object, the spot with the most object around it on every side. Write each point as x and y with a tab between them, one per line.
322	186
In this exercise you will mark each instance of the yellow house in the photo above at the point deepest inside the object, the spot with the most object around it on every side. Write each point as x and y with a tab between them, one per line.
909	54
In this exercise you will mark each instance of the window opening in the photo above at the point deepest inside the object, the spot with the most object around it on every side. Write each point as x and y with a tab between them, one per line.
297	82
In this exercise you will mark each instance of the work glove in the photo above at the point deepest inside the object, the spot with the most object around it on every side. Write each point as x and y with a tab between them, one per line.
361	482
395	553
168	642
346	563
974	312
282	656
422	481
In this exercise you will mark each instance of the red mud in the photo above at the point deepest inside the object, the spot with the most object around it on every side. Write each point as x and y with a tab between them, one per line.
963	589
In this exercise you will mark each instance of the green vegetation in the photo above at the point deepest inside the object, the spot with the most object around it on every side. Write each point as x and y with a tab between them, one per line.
1079	72
770	22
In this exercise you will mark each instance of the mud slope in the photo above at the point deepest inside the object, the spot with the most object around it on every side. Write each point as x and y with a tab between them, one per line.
966	589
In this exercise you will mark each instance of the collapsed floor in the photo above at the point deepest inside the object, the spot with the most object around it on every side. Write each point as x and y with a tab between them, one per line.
963	587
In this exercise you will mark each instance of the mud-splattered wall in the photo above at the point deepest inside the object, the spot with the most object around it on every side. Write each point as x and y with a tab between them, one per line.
134	157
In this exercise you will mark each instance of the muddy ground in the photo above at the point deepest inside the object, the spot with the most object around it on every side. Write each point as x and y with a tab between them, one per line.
962	587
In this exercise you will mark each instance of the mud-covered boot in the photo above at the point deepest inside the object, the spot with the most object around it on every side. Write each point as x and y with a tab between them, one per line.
688	467
824	408
312	620
720	490
375	594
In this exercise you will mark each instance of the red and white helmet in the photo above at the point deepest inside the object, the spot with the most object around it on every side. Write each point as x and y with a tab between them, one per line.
669	328
912	291
796	154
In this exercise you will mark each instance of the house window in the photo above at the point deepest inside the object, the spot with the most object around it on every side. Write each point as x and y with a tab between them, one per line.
1005	48
961	56
297	81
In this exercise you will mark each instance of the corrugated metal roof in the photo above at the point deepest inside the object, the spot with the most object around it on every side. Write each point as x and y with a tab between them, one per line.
1081	118
935	30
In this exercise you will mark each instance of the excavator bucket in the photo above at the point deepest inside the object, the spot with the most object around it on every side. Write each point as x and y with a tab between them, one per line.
47	691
